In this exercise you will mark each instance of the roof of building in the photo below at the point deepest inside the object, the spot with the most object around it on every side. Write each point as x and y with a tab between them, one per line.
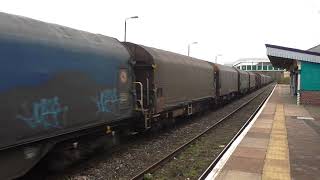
250	60
315	49
282	57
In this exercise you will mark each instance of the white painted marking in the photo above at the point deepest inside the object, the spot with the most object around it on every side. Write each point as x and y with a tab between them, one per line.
30	152
305	118
217	169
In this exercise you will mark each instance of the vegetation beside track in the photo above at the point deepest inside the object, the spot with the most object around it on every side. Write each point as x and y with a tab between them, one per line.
193	161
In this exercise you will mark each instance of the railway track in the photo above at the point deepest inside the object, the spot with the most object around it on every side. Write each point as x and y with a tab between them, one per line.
159	164
139	152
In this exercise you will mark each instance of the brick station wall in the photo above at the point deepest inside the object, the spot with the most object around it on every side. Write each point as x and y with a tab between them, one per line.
310	97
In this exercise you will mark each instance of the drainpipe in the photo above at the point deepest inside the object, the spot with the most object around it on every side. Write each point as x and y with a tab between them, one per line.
299	84
292	83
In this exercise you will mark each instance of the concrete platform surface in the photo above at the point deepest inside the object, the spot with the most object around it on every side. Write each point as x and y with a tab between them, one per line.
283	143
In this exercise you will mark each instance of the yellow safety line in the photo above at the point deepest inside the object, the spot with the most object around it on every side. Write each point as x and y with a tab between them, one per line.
277	165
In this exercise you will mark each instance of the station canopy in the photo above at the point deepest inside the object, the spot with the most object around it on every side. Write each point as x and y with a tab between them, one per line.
284	57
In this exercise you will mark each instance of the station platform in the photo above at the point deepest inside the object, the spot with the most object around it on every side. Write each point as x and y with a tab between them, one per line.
282	143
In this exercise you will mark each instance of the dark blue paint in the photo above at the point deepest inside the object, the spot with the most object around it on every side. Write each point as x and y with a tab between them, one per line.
32	64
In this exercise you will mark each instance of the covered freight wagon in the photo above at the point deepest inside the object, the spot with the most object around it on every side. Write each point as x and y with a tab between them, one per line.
243	81
254	80
226	81
55	80
170	83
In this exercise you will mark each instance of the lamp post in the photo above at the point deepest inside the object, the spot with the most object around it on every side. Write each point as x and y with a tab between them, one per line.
125	26
216	58
189	47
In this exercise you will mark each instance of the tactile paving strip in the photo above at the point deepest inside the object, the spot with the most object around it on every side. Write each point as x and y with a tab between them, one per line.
277	164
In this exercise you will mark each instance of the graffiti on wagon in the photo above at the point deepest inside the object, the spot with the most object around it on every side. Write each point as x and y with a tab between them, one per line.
46	113
106	100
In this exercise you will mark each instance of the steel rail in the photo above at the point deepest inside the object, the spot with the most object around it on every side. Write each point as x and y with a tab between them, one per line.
160	163
217	159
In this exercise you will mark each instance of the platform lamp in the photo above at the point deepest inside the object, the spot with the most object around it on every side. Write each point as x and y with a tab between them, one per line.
216	58
189	47
125	26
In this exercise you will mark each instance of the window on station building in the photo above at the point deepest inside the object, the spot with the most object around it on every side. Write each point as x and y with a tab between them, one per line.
260	68
248	67
265	67
270	67
244	68
254	67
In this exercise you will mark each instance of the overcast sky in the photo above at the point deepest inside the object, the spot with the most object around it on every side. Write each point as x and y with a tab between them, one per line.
234	28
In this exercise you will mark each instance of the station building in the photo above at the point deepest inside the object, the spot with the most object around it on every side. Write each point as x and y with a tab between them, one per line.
260	65
304	67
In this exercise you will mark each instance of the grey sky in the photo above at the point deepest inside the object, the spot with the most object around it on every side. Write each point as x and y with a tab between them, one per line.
234	28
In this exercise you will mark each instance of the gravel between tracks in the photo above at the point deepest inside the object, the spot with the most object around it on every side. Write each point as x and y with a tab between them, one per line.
194	160
139	153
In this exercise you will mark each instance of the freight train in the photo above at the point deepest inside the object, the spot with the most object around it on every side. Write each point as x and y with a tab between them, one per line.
59	84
